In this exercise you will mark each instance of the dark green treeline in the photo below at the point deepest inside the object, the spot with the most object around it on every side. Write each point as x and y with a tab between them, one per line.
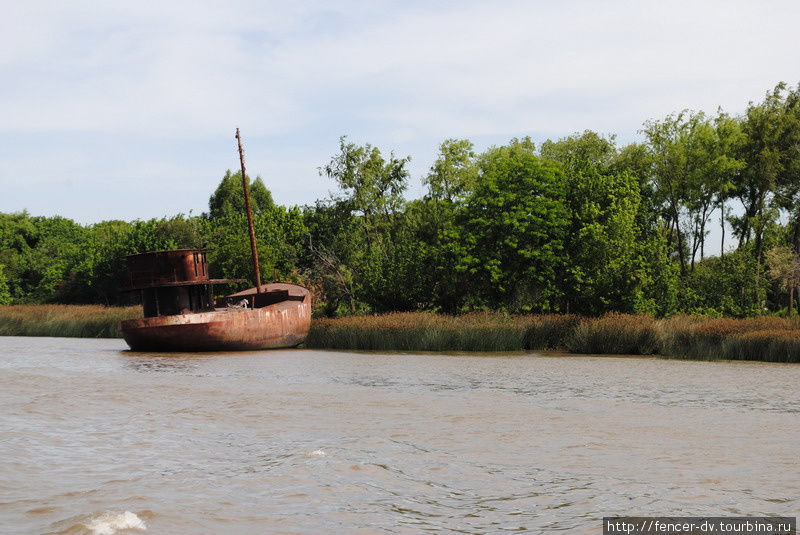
579	225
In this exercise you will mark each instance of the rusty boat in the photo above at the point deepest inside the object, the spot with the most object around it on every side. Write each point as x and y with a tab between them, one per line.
181	313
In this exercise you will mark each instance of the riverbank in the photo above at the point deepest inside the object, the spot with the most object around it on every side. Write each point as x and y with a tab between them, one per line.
768	339
765	338
78	321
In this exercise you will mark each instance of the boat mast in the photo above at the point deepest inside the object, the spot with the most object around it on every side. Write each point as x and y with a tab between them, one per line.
249	215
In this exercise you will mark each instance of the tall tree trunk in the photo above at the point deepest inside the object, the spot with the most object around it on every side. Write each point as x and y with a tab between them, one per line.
797	290
681	252
751	209
703	220
758	253
758	232
669	231
722	224
702	241
695	240
796	234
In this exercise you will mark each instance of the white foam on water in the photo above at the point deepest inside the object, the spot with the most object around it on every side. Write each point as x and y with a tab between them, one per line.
110	523
317	453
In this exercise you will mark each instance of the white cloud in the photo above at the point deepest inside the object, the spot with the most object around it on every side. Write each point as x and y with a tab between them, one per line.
404	74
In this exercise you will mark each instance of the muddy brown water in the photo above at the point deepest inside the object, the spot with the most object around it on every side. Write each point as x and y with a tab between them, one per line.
98	440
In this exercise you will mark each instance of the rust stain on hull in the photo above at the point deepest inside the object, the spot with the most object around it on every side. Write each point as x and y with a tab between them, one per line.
284	324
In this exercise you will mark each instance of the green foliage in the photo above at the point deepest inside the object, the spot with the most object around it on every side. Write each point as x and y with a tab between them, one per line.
615	254
603	267
370	259
5	294
279	234
18	236
783	267
581	152
372	185
511	230
770	177
636	159
333	247
228	198
101	272
723	286
455	171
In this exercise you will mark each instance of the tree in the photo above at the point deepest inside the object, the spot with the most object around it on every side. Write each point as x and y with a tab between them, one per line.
687	167
769	177
725	164
613	252
602	244
333	248
372	198
452	177
722	286
5	295
372	186
767	157
783	267
712	165
454	172
511	229
280	233
18	236
635	159
787	147
666	140
228	198
581	151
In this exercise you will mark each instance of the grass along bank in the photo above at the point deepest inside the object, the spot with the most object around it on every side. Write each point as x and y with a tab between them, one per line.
769	339
78	321
764	338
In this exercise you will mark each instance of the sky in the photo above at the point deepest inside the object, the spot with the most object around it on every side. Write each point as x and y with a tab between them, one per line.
127	110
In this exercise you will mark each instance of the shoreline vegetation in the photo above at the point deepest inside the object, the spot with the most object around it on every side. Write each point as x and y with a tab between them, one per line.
764	338
74	321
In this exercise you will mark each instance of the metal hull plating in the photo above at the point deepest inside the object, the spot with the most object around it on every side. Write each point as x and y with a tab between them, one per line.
283	324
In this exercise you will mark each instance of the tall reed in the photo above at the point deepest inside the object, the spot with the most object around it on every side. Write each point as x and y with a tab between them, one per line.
419	332
615	333
689	337
80	321
762	338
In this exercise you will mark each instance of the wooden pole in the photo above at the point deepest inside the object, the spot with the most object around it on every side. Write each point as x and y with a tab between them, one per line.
253	247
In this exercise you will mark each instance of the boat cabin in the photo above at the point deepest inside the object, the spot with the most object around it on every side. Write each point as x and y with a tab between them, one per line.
172	282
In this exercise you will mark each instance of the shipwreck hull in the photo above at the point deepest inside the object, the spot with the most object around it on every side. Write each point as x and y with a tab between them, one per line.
279	325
